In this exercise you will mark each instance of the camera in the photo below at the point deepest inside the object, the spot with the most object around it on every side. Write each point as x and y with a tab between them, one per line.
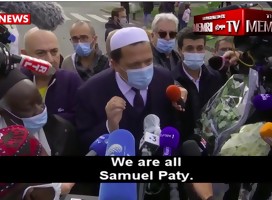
5	38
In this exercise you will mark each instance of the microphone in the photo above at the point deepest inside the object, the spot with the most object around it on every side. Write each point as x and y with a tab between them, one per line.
218	63
204	147
120	143
98	147
149	143
263	102
190	148
174	94
33	64
169	139
234	7
266	133
152	124
44	15
150	140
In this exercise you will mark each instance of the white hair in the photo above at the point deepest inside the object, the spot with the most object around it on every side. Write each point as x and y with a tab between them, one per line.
166	17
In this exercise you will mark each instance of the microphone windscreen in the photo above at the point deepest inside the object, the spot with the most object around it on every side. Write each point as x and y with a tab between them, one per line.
173	93
100	145
190	148
266	130
152	124
216	62
169	137
263	102
118	191
121	143
44	15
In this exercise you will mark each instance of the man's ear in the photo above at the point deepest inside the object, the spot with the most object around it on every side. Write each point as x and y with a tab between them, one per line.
180	53
95	39
113	64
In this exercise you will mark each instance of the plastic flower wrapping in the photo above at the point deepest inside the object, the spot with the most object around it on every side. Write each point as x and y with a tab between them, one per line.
247	142
227	111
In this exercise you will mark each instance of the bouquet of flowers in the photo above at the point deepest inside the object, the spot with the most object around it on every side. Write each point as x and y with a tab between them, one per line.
228	109
247	142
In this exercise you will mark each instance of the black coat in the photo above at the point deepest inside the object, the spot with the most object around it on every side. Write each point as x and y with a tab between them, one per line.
209	84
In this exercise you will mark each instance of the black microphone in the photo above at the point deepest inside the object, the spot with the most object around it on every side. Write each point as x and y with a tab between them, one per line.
44	15
206	148
218	63
190	148
234	7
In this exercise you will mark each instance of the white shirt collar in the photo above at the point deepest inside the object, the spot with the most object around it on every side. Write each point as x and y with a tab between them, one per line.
124	87
190	77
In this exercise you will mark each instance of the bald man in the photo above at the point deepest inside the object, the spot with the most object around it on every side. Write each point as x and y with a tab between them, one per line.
88	59
58	91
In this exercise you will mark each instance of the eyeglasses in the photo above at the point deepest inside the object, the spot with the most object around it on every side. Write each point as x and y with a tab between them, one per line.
82	38
163	34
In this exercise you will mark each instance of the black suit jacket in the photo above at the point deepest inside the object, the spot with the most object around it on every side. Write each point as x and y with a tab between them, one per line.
93	96
209	84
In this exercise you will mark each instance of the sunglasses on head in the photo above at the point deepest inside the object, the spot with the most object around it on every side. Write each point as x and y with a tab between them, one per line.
163	34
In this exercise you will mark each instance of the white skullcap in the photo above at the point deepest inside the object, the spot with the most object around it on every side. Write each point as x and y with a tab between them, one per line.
126	36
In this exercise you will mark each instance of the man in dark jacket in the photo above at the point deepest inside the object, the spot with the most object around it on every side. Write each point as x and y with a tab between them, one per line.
88	59
122	96
117	20
163	37
193	75
58	90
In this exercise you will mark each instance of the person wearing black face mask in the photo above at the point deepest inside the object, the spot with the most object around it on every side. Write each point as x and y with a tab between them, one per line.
117	20
163	38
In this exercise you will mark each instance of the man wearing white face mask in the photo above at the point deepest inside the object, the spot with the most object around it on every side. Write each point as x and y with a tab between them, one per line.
193	75
163	37
88	59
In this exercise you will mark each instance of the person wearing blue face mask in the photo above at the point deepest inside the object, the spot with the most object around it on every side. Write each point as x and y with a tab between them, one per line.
88	59
163	37
194	76
122	96
22	104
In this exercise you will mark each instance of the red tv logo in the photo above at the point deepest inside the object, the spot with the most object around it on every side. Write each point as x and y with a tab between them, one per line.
236	22
14	18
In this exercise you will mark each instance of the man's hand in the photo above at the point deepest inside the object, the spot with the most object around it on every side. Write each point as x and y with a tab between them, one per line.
66	188
183	96
203	190
232	56
114	110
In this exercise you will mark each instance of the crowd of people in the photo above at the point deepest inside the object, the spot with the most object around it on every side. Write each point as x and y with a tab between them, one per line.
95	92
